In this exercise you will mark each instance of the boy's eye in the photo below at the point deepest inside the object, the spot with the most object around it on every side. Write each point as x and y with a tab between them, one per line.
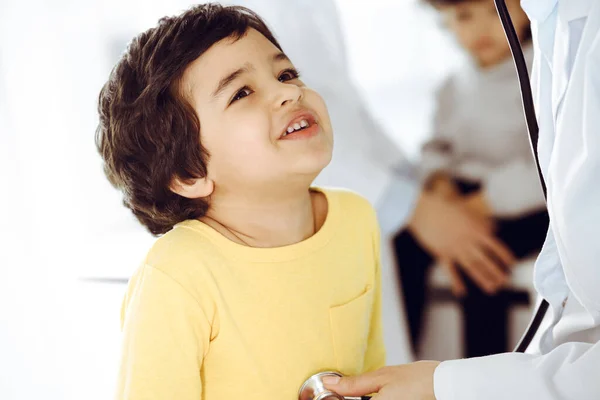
243	92
288	75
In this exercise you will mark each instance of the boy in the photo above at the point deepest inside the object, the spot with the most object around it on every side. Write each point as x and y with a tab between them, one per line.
258	280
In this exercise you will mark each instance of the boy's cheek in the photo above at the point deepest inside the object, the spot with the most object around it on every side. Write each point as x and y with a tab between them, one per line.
316	102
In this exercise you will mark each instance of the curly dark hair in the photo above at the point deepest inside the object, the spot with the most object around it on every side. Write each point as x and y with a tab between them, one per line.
148	133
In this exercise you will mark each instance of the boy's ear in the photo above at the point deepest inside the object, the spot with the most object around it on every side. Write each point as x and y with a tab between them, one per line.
194	188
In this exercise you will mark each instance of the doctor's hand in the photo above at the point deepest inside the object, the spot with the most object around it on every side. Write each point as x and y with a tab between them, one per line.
407	382
459	239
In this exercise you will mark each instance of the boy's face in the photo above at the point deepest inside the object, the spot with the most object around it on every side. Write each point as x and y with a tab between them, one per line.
478	28
247	97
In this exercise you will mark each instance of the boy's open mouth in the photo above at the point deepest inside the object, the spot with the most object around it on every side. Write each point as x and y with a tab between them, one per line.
302	121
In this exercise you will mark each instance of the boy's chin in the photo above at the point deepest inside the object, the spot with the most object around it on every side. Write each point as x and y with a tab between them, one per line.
305	176
313	166
491	58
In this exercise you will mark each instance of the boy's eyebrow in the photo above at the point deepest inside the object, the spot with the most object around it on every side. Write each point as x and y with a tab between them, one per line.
280	57
226	81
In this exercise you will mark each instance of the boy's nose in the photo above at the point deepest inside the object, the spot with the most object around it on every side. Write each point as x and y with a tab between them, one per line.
287	94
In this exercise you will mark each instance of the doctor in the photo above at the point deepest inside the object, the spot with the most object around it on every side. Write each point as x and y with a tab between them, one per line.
566	361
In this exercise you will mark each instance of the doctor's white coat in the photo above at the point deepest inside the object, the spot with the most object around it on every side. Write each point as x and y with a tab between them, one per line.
565	363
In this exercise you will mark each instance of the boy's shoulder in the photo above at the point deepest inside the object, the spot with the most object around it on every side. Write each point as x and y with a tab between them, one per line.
182	257
345	196
182	250
350	203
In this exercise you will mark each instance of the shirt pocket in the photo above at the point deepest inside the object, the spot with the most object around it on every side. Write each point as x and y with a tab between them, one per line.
350	326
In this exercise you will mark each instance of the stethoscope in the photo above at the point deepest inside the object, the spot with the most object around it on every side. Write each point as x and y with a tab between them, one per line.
313	388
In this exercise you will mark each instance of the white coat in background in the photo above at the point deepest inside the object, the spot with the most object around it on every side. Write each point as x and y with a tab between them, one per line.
565	362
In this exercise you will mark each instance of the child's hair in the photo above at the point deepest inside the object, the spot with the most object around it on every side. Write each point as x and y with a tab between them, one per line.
148	132
440	3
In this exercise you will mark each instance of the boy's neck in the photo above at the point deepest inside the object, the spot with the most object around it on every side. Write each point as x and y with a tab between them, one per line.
258	220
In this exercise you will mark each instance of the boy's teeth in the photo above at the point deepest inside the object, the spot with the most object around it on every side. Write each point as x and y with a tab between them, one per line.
296	127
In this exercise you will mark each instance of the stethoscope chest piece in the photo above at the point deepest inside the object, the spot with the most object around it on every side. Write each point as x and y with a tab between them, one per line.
313	388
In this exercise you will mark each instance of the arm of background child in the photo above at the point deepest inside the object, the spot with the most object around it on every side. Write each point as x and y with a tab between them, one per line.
375	355
437	154
166	334
513	189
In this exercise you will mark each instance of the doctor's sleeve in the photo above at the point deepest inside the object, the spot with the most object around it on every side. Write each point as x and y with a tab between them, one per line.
165	338
375	353
569	372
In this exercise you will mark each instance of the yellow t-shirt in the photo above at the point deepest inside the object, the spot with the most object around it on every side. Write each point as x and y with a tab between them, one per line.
207	318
